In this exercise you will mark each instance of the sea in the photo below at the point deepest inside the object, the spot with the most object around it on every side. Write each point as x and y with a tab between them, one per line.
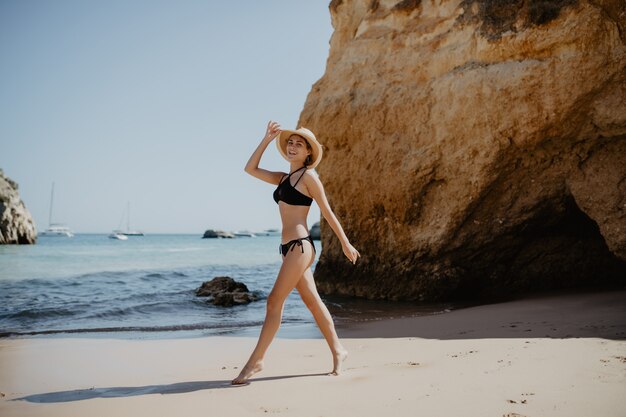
144	287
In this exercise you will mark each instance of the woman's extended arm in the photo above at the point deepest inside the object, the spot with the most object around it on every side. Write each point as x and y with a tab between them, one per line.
315	187
252	167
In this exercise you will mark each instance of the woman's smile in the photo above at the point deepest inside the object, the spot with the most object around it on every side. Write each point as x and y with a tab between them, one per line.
292	151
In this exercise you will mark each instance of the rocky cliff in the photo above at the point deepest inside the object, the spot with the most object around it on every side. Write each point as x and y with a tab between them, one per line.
473	147
16	223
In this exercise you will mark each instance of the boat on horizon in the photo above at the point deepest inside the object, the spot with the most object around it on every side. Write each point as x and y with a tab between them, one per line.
244	233
128	231
118	236
55	229
268	232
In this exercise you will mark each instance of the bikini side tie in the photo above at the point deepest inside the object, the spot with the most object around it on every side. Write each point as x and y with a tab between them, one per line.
294	243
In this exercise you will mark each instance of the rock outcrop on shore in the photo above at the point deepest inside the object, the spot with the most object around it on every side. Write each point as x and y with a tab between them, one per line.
473	147
16	223
225	291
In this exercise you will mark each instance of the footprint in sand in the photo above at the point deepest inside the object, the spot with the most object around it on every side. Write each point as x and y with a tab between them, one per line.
273	410
463	353
410	363
517	402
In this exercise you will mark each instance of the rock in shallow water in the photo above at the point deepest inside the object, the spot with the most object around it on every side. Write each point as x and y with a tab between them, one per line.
473	147
16	223
225	291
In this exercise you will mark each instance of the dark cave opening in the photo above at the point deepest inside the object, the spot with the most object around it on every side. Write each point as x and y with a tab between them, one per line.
561	248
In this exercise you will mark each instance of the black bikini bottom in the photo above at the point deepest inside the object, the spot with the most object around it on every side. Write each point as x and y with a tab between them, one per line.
292	243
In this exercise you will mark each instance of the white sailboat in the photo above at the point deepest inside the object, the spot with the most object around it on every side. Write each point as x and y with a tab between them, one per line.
244	233
121	234
55	229
118	236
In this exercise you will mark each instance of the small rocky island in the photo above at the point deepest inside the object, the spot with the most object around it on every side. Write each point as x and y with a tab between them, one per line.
225	291
16	223
213	234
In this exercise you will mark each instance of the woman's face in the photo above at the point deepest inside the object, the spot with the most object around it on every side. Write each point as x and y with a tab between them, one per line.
297	148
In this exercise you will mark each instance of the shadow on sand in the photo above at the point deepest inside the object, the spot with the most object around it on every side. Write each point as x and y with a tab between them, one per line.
115	392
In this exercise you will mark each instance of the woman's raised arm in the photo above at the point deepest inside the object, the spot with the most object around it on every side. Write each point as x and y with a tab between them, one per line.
252	167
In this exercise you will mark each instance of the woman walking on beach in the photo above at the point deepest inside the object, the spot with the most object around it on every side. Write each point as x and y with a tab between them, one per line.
294	195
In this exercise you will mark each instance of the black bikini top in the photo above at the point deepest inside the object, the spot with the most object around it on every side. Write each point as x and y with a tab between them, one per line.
288	193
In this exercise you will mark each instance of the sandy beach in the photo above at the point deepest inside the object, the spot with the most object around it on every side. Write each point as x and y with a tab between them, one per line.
558	355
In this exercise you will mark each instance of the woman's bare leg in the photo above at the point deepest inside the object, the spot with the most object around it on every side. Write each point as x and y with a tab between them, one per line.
308	292
290	273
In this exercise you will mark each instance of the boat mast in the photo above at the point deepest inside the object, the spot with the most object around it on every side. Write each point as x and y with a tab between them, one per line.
51	200
128	218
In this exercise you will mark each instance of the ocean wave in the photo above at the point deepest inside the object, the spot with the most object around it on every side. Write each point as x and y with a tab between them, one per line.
141	309
123	329
41	313
162	275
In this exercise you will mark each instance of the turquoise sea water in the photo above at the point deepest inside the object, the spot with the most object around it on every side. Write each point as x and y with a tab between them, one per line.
145	286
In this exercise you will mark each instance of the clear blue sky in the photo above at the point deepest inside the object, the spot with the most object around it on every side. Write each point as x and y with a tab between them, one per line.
159	103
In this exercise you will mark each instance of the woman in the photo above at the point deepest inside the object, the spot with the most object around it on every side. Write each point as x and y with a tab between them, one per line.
294	196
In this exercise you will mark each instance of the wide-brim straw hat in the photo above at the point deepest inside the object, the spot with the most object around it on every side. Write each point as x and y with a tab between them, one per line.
316	148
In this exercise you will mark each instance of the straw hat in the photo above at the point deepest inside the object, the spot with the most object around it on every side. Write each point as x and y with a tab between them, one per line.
316	148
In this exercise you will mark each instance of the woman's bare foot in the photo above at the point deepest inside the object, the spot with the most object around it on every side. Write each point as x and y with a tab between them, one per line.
338	359
247	372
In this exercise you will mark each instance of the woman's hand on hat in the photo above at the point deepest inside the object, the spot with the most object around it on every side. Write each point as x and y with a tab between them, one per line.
351	252
273	129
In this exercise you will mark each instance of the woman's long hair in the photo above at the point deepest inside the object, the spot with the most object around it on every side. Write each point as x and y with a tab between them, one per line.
309	158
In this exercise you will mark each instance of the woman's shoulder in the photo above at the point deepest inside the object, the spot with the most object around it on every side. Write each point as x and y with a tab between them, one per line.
311	178
311	173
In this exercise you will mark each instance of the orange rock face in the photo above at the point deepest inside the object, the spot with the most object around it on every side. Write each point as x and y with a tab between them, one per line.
473	147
